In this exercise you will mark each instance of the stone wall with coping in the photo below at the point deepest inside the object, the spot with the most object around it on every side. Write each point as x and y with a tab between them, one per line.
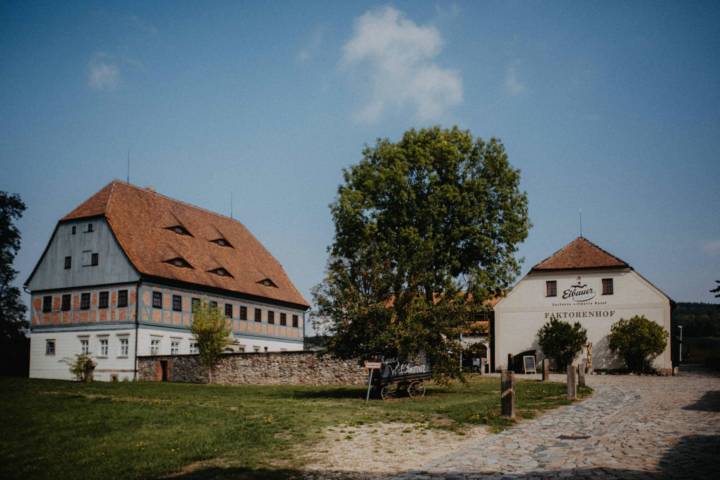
272	368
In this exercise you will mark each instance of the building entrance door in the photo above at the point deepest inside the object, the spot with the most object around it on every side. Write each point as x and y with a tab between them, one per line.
164	370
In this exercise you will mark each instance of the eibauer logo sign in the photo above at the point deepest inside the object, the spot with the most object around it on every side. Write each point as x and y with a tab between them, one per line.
579	292
579	302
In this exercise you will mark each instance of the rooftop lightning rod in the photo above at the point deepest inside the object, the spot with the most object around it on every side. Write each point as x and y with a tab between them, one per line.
128	167
231	205
580	214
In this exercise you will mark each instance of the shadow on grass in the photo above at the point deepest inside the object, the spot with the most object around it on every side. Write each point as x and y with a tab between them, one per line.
693	457
333	393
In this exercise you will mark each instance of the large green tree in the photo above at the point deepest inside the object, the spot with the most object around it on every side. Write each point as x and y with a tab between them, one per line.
426	229
12	308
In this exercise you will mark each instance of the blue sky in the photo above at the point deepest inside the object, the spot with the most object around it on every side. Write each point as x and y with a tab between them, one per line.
612	107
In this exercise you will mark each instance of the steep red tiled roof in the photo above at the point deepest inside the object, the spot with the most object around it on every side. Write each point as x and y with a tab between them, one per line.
141	220
578	254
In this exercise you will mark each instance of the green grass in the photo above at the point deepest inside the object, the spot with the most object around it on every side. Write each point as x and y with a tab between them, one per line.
55	429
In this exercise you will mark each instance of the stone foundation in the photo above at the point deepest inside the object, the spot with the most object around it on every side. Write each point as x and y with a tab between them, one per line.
273	368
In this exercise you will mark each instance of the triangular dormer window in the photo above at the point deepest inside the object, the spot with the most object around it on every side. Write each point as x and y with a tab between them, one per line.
266	282
222	242
221	272
180	230
179	262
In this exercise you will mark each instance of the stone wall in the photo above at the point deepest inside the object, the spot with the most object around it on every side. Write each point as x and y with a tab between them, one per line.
272	368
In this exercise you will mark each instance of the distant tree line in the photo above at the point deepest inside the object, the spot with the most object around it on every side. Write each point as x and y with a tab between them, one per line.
697	319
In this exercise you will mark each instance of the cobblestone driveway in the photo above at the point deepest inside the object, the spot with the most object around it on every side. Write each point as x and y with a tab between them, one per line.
632	427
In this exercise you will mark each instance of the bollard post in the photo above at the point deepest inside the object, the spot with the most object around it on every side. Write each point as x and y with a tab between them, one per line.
581	373
571	382
546	370
507	393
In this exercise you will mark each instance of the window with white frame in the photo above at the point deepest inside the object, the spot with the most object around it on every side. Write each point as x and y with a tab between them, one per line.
84	346
104	347
155	346
124	346
50	346
194	347
174	346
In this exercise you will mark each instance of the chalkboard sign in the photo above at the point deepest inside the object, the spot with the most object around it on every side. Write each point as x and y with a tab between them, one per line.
529	364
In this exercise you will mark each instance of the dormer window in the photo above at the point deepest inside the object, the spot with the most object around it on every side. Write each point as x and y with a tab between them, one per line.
180	230
267	283
221	272
222	242
179	262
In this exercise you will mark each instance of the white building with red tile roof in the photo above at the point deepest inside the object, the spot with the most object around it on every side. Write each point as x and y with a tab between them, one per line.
579	283
121	273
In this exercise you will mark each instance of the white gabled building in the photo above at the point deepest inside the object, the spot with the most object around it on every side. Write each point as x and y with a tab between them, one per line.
579	283
121	273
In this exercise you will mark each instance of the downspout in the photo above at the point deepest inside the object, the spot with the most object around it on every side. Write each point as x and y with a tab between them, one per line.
137	327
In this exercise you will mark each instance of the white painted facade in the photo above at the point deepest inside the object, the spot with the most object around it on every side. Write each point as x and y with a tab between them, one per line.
117	361
520	315
69	342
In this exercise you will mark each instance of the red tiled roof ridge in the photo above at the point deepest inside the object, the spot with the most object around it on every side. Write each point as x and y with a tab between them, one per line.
580	253
152	190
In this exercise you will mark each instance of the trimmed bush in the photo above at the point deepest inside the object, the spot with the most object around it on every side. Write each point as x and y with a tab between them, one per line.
562	341
638	341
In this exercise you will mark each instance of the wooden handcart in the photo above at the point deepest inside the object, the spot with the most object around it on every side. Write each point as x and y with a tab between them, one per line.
397	379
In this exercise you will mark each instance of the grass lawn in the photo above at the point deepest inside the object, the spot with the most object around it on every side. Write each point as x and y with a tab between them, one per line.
55	429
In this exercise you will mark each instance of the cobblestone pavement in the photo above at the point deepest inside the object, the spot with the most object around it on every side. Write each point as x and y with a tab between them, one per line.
632	427
642	427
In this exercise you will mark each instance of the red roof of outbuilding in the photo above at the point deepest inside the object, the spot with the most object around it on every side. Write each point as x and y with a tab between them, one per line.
581	253
142	221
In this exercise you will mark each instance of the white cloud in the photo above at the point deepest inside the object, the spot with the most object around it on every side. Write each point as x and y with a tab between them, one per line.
513	85
712	247
103	74
399	57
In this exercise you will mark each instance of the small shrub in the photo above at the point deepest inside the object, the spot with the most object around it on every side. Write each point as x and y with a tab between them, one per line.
211	333
638	341
83	367
562	341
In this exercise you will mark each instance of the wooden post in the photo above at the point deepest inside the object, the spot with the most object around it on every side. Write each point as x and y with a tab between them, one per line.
510	361
581	373
571	382
507	393
546	370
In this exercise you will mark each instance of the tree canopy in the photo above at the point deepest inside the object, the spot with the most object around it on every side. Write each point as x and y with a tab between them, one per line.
12	309
426	229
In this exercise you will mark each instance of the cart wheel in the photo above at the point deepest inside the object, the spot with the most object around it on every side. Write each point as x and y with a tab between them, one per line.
387	392
416	389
